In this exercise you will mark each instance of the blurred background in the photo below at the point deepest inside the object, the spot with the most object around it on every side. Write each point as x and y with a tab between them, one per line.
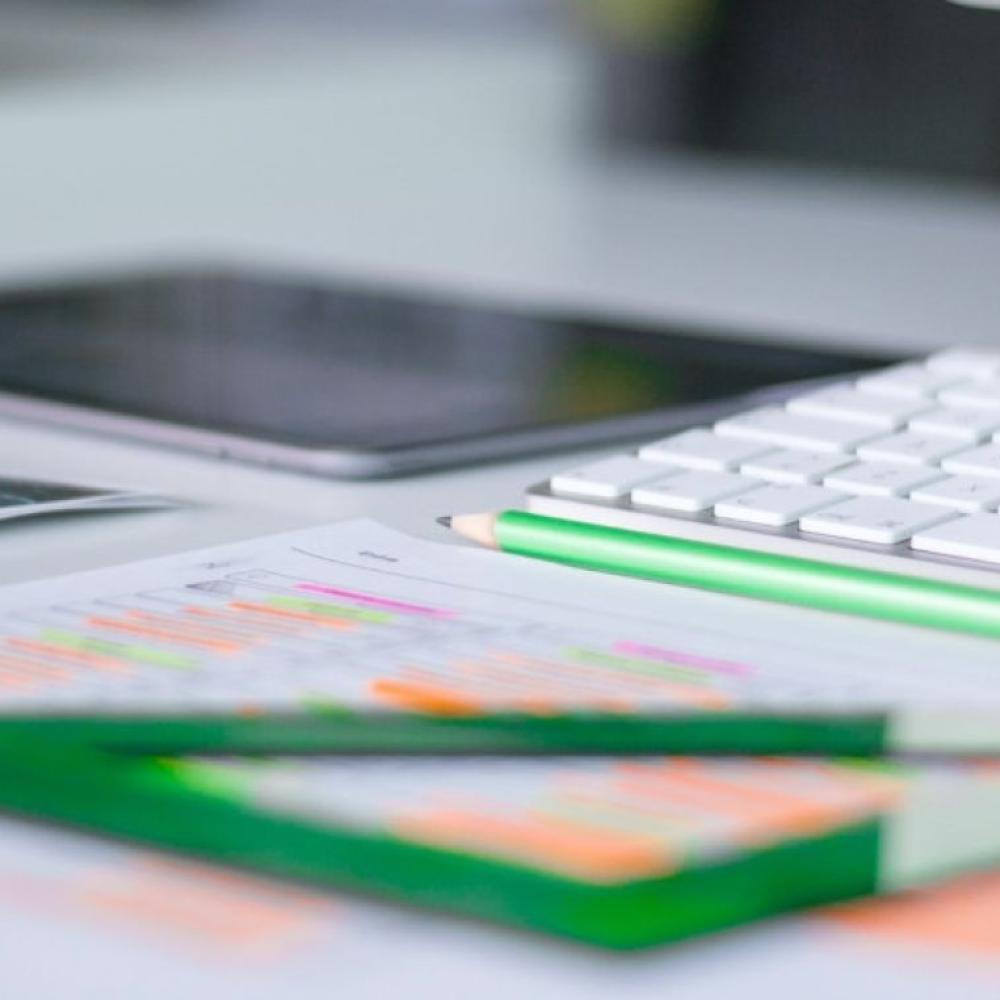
808	168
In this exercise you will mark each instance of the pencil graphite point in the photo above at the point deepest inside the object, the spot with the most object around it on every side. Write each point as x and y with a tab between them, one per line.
444	521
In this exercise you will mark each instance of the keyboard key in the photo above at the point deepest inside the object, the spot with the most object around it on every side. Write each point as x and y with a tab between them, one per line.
969	494
607	479
906	382
962	423
787	465
793	430
876	520
886	412
974	537
984	394
969	362
880	479
691	491
776	505
982	461
701	449
909	448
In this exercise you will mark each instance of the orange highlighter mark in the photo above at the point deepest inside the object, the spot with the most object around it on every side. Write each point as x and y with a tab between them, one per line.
962	916
32	668
296	616
417	697
758	811
235	913
595	855
77	656
166	635
182	626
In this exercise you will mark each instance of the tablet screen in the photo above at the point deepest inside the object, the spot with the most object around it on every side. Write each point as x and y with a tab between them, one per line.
338	367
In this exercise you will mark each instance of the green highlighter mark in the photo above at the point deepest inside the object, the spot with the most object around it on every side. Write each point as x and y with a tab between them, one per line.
652	669
118	650
206	778
328	610
320	705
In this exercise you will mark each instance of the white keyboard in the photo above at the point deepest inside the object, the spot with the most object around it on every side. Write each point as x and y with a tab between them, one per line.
896	470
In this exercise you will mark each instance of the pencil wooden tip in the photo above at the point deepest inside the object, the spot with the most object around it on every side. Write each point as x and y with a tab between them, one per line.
477	528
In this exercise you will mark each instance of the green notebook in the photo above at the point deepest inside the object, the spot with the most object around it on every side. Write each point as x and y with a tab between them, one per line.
353	637
617	852
84	918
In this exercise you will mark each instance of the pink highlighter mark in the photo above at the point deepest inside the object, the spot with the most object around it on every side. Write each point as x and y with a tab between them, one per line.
682	659
376	602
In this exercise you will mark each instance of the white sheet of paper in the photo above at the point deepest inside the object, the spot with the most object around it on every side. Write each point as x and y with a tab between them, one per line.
357	615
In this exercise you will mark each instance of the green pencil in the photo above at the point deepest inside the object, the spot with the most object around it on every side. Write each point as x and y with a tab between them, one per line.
787	579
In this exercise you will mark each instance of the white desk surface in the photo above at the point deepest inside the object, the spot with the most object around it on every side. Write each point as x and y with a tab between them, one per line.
458	166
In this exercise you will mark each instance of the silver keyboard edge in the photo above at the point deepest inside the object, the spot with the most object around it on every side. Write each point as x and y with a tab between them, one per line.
786	541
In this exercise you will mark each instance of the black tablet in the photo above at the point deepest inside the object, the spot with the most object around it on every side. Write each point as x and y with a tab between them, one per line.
353	381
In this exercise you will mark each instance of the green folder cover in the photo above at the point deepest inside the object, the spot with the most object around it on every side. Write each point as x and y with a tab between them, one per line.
621	853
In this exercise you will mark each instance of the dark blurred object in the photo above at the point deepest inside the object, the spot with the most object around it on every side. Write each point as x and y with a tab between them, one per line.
902	84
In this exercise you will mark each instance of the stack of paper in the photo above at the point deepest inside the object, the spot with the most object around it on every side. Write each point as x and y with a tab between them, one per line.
356	637
129	697
622	853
